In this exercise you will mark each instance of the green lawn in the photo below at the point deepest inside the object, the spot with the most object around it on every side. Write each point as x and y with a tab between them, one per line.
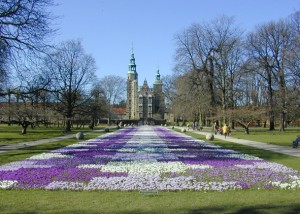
12	134
271	137
286	160
39	201
21	154
240	201
264	135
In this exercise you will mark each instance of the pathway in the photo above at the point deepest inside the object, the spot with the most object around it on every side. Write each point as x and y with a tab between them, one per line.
270	147
16	146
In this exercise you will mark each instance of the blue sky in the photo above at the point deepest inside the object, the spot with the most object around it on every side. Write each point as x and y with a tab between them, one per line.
108	28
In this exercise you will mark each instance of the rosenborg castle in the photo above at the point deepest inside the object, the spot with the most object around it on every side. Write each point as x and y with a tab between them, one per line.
144	103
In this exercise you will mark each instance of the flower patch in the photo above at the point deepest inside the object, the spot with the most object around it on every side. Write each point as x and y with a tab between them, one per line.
142	158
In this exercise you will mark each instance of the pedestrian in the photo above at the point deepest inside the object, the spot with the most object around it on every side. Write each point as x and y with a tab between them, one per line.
225	130
216	127
229	131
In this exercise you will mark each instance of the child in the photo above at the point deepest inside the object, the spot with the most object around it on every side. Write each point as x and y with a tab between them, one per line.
225	130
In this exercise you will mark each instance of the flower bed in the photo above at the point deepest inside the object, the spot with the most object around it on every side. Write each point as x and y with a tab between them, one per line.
146	158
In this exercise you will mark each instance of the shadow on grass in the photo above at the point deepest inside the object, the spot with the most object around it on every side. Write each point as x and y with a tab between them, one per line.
249	209
201	210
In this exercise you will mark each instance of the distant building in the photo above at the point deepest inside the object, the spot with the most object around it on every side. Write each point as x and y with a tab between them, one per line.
118	113
143	102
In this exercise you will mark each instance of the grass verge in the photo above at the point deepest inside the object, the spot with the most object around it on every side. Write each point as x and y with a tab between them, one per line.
21	154
277	138
286	160
12	134
264	135
247	201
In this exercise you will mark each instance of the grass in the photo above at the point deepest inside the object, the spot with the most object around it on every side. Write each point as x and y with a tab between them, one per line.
264	135
286	160
248	201
271	137
21	154
12	134
190	202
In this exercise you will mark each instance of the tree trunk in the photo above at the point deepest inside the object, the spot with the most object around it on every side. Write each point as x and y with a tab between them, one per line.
92	124
282	121
24	129
210	75
246	127
232	124
271	98
272	121
9	108
25	125
282	93
68	125
247	130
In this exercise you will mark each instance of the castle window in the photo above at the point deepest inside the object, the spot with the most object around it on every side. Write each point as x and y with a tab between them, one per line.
150	99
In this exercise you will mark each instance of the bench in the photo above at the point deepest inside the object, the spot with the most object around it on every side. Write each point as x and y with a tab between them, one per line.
296	142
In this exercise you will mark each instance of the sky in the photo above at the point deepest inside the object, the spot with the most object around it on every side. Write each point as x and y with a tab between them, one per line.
110	29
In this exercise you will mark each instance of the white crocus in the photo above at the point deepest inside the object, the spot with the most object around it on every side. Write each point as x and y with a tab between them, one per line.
6	184
145	167
44	156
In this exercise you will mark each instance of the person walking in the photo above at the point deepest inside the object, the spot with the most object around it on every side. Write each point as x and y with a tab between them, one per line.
216	128
225	130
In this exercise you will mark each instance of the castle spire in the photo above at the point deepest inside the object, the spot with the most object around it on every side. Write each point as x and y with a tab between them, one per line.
132	65
157	75
157	79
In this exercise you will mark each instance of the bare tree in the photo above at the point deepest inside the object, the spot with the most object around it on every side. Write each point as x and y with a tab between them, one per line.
294	66
72	72
4	76
113	87
25	24
213	52
169	89
214	56
193	53
97	106
184	101
294	51
227	54
25	27
269	47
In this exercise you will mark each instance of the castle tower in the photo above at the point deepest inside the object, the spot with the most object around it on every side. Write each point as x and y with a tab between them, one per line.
158	102
143	102
132	89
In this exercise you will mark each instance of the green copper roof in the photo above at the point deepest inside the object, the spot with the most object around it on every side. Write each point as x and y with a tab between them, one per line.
132	65
157	80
